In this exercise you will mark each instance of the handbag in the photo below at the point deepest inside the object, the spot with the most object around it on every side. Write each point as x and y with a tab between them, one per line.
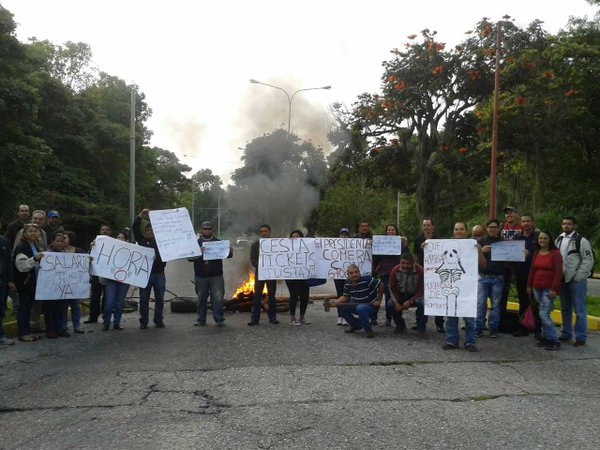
528	320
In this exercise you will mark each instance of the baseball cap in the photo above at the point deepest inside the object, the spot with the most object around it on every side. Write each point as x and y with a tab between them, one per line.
344	231
53	214
510	208
206	224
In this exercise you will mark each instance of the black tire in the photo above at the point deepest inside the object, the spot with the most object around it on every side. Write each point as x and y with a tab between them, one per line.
184	305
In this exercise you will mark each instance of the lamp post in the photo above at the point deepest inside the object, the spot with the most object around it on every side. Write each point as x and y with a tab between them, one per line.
289	97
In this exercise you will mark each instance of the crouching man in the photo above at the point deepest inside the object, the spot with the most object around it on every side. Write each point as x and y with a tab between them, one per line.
361	296
407	286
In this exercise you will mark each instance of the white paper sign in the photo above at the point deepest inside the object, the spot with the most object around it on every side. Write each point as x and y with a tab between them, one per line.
63	276
387	245
508	251
121	261
174	234
304	258
215	250
451	276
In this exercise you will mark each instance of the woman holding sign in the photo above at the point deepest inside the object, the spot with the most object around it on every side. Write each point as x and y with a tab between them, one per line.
544	281
299	291
114	301
27	260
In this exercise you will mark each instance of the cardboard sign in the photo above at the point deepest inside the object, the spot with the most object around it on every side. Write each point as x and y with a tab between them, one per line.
387	245
121	261
508	251
215	250
63	276
174	234
451	276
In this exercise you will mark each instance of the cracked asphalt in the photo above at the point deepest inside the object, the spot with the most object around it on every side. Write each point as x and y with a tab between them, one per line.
277	386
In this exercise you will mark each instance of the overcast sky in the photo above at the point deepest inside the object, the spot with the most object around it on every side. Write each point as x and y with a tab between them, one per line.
193	60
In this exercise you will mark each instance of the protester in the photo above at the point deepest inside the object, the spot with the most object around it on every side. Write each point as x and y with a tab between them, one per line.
73	303
299	292
264	232
38	217
407	288
157	280
364	232
578	264
490	282
510	230
114	301
6	284
382	265
53	308
362	294
16	225
477	232
428	228
52	225
521	272
452	338
27	257
339	282
97	294
208	279
544	282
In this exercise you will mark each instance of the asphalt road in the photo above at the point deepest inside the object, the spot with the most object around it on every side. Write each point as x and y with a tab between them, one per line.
277	386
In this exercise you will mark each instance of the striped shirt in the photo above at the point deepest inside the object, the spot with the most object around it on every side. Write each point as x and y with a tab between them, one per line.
364	291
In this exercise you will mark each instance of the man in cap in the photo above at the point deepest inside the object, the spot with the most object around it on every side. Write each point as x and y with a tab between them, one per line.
511	230
208	279
52	225
339	282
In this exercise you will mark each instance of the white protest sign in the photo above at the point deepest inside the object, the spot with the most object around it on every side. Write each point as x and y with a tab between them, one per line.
121	261
334	255
174	234
215	250
451	276
508	251
63	276
287	259
387	245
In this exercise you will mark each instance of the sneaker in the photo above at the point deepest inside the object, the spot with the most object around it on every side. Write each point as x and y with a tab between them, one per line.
447	346
274	322
479	334
105	327
6	341
78	331
470	347
200	324
340	321
295	323
63	333
543	343
90	320
564	339
494	334
220	324
369	334
118	327
51	335
553	346
159	325
143	327
579	344
522	332
252	323
387	323
345	323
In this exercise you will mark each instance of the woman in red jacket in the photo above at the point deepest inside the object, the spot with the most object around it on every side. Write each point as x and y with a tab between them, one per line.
544	283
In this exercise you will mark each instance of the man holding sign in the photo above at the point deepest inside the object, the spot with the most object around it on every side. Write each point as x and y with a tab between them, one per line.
208	278
157	280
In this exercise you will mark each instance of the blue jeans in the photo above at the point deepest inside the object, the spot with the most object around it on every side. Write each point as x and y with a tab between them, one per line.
158	282
452	330
257	300
114	301
572	296
362	310
215	286
491	287
545	308
75	313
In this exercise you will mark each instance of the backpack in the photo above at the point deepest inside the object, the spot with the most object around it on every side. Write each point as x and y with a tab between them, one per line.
578	248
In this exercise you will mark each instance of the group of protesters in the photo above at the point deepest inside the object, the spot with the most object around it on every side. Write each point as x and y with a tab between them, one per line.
552	268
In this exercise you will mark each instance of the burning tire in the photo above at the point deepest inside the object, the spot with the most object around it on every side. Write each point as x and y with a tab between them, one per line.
184	305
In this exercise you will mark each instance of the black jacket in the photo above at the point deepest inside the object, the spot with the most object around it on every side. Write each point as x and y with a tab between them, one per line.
6	262
158	266
212	268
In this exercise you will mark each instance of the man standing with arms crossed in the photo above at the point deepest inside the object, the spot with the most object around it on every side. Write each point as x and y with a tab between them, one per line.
265	232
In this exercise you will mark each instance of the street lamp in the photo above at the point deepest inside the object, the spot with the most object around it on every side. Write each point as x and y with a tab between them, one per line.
289	97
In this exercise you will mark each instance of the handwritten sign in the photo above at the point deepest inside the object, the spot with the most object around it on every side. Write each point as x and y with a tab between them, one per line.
215	250
387	245
63	276
508	251
174	234
121	261
304	258
451	276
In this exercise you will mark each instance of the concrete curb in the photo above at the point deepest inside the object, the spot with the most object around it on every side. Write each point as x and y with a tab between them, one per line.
593	321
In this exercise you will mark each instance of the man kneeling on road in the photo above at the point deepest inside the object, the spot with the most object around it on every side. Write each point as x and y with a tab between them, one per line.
407	287
361	296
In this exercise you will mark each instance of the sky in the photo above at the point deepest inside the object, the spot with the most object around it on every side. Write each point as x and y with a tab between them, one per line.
193	60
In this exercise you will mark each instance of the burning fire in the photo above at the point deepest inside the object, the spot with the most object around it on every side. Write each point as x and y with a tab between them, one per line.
247	288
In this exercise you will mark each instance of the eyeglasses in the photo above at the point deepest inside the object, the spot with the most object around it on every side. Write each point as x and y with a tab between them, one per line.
207	229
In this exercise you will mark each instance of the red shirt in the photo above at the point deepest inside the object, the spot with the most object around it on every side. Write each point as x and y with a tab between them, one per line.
546	271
